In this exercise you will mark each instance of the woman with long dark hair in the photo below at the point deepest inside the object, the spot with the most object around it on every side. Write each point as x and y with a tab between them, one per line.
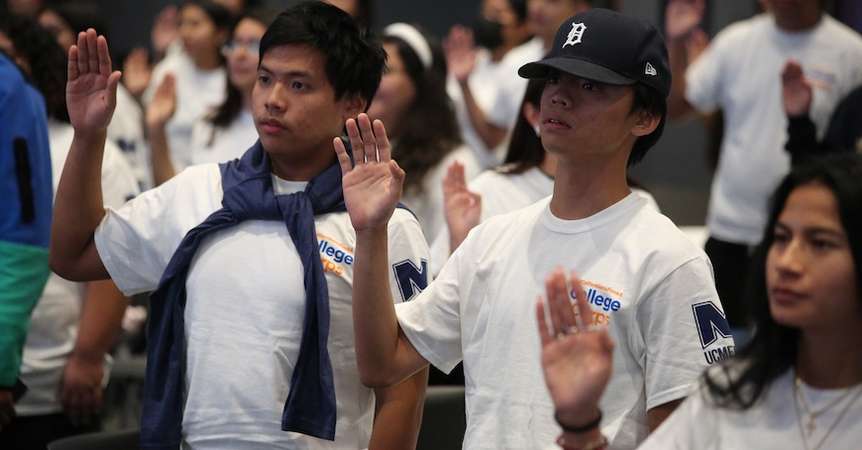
798	382
420	119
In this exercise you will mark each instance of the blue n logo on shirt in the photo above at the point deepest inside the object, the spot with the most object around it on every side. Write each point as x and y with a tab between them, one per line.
411	279
711	323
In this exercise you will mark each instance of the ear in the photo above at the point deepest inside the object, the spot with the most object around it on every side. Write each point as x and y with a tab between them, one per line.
531	113
352	106
645	123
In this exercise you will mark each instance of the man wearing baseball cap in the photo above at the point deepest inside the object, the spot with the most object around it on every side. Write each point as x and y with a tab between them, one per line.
602	109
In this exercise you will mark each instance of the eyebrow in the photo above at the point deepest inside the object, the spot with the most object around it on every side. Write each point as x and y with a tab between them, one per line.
814	230
287	74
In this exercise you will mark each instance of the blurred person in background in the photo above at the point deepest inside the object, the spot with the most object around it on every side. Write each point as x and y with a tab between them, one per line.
474	57
740	72
227	131
413	103
197	76
74	325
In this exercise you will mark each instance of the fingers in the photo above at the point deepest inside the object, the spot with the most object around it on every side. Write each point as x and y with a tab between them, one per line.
92	51
341	153
584	318
369	144
355	142
562	316
83	58
384	150
545	334
104	57
72	64
113	83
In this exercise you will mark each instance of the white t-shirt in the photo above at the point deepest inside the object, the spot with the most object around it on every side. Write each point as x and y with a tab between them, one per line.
740	72
507	102
212	144
198	93
501	193
427	201
126	130
773	423
485	80
245	308
54	322
642	277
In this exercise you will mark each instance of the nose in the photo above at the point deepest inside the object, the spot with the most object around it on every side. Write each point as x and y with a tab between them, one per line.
790	259
275	100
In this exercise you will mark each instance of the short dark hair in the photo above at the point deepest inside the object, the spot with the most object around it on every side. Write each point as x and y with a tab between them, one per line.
218	14
354	60
650	101
520	9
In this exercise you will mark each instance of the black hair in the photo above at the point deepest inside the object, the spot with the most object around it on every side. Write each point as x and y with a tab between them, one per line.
47	61
520	9
430	130
79	15
217	13
774	347
525	149
364	14
230	108
354	61
650	101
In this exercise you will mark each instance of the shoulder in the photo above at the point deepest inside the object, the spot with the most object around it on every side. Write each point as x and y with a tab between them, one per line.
839	34
736	35
654	239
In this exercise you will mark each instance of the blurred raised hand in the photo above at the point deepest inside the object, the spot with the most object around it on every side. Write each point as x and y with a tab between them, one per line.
796	90
372	182
462	208
165	30
576	357
460	51
683	16
91	90
137	71
164	103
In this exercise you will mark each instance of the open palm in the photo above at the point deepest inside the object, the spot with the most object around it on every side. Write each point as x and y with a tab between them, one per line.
372	181
462	208
91	91
576	358
796	90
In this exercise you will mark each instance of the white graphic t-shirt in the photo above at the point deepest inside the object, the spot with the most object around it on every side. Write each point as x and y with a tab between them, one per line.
646	281
246	305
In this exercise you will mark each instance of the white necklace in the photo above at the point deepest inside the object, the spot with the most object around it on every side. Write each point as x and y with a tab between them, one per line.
810	426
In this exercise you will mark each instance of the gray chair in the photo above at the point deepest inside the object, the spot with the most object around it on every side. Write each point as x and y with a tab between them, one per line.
109	440
444	419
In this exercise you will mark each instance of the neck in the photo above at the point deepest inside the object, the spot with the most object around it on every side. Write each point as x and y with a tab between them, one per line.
549	165
302	169
498	53
798	23
585	187
208	61
829	359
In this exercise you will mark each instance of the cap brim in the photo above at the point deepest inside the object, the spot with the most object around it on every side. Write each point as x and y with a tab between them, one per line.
576	67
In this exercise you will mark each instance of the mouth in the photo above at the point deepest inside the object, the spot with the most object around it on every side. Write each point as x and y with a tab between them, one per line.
271	126
555	124
786	296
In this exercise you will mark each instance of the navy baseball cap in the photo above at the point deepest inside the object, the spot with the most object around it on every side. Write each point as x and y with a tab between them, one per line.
608	47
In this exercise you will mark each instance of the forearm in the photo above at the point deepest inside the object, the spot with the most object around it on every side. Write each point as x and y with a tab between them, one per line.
375	323
678	106
78	208
490	134
102	314
160	154
398	414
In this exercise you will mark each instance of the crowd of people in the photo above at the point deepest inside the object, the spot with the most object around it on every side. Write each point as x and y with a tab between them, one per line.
319	212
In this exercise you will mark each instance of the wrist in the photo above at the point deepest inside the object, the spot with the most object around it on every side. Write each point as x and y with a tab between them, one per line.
582	421
88	136
88	356
590	441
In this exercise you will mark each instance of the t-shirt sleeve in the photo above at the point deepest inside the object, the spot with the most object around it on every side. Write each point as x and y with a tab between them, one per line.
432	322
684	330
703	78
408	257
118	180
136	241
692	425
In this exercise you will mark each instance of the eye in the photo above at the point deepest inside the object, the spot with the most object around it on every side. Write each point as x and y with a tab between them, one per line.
780	237
822	244
263	79
553	79
298	86
588	85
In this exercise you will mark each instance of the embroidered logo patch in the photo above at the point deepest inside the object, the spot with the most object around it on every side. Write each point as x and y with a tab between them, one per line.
575	35
650	70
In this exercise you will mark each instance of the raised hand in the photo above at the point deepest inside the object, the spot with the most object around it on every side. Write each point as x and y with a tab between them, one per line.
576	358
460	51
91	92
137	71
81	388
372	182
682	16
695	44
163	104
165	29
463	209
796	90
